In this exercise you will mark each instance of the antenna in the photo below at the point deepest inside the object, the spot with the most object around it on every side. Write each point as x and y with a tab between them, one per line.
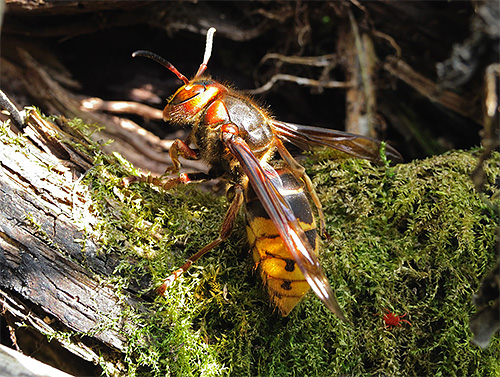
163	62
208	52
170	66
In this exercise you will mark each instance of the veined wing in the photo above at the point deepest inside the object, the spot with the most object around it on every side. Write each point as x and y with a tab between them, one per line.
285	221
306	137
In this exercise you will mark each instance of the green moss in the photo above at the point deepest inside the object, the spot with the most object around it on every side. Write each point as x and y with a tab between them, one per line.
154	232
415	238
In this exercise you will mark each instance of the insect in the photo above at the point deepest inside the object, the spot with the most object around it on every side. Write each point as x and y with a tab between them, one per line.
244	146
391	320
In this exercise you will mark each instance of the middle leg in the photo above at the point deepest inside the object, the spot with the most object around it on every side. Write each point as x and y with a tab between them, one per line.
225	232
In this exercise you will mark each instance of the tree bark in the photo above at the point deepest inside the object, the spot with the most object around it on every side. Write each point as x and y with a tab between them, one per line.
15	364
44	217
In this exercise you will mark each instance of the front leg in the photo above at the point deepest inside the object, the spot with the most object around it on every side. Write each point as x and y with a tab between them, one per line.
178	148
182	149
167	184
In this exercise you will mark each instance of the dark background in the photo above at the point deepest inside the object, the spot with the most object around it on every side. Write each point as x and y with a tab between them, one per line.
91	43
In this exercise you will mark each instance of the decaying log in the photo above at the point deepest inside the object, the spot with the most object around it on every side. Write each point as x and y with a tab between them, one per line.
15	364
147	151
383	61
55	280
43	219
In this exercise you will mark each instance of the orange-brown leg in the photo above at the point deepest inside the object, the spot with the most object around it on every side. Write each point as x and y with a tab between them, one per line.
226	229
178	148
182	149
167	184
300	173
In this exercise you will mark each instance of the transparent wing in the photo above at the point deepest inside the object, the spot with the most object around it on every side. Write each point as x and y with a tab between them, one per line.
285	221
306	137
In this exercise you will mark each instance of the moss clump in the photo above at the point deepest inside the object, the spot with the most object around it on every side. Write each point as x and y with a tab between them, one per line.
415	238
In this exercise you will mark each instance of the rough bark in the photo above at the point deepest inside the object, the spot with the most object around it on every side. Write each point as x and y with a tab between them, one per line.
43	246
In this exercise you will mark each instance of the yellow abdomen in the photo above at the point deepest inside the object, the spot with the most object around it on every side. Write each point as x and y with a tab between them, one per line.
281	276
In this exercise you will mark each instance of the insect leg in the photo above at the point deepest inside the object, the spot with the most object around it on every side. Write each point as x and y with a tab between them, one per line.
181	148
226	229
178	148
167	184
300	173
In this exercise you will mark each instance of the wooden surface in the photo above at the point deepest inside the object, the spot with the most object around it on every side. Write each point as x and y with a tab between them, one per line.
43	219
15	364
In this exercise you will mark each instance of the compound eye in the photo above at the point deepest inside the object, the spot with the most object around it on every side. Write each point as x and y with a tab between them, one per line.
187	93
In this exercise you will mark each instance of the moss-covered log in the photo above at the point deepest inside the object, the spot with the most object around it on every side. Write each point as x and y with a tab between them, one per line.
80	255
47	257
